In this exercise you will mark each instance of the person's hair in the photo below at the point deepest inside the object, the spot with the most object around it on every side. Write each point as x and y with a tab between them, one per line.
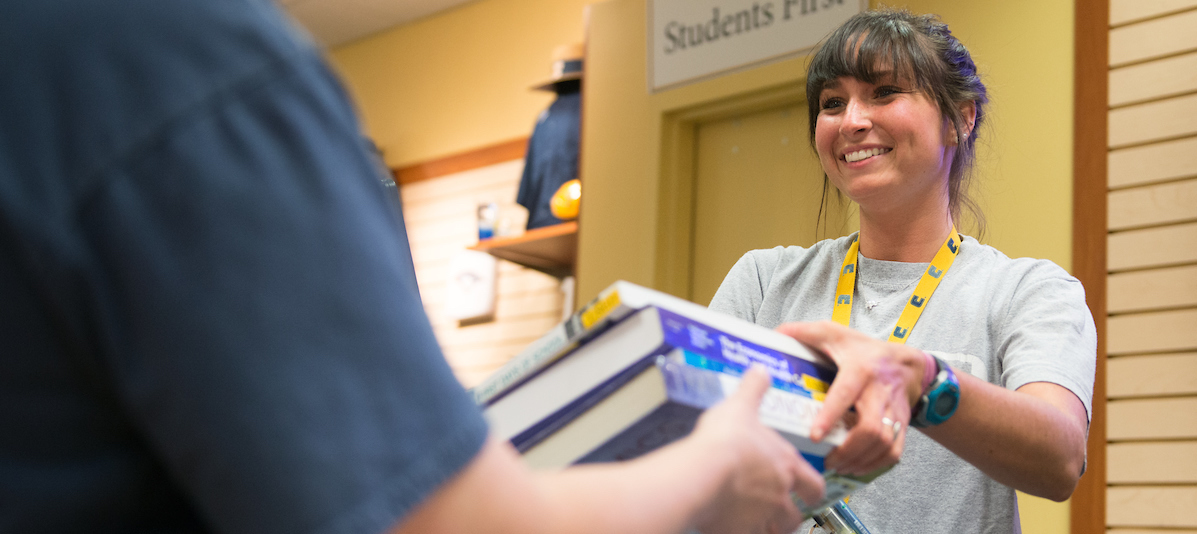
921	49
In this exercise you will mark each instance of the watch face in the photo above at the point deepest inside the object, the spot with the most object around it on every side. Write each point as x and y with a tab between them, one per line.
944	404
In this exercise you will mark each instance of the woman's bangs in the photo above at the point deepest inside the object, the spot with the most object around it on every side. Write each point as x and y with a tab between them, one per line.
870	54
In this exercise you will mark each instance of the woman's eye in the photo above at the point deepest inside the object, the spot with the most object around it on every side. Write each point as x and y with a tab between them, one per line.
831	103
887	91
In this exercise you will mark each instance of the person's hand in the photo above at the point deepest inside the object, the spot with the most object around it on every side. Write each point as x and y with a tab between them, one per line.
766	467
881	380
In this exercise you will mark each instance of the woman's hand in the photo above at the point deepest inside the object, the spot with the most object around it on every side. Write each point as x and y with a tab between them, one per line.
880	380
765	467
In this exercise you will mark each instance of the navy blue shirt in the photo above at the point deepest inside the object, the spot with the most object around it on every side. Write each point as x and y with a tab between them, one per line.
209	320
552	158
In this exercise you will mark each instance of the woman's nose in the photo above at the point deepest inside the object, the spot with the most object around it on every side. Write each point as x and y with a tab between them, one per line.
856	118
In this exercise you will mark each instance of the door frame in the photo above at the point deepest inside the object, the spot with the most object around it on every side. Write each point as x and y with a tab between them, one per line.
675	211
1089	234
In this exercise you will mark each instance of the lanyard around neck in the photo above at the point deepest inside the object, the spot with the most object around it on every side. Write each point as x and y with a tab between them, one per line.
842	312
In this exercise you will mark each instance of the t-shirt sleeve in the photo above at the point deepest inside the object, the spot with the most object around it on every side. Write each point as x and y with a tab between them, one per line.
1048	334
255	306
741	292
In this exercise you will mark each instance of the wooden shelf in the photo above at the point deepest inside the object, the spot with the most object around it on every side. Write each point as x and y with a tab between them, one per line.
550	249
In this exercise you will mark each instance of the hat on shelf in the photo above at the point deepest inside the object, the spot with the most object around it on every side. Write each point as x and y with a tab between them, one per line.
567	65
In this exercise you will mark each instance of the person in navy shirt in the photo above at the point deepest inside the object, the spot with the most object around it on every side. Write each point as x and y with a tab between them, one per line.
210	321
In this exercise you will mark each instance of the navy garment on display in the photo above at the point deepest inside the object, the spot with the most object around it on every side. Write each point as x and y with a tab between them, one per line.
210	321
552	158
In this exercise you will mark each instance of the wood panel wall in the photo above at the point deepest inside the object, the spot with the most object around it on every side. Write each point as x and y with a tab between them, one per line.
440	200
1151	286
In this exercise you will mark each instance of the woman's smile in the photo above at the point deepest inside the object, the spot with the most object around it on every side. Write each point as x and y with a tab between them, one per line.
863	154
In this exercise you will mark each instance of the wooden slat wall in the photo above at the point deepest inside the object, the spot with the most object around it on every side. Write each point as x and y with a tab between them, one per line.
1154	121
1151	456
1155	79
1157	162
1122	12
1153	289
1153	247
1152	39
1158	506
441	218
1152	463
1149	419
1149	206
1166	331
1153	374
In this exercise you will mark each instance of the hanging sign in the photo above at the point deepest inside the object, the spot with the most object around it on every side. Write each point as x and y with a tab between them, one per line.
690	40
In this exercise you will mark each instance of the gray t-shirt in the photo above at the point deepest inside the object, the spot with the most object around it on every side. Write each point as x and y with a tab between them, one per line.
1006	321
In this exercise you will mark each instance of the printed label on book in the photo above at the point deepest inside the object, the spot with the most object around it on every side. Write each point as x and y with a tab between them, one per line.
713	349
601	307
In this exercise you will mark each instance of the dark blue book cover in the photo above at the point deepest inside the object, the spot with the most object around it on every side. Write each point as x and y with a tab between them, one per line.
702	347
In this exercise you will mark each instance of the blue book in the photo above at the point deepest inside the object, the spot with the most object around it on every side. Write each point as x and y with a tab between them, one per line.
661	404
606	362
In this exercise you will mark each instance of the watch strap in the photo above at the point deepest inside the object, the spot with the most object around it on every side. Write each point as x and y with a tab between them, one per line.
940	400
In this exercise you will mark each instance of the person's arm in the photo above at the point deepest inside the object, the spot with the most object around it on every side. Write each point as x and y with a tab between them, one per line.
1036	445
731	474
1032	439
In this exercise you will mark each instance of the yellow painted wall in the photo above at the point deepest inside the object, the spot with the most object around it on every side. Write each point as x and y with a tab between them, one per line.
1024	49
458	80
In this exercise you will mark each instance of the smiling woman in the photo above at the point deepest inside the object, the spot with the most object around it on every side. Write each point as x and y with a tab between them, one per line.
930	62
998	376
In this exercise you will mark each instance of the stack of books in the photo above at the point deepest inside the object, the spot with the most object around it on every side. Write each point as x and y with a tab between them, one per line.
633	370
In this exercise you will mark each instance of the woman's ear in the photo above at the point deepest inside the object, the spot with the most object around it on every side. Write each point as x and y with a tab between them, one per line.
968	112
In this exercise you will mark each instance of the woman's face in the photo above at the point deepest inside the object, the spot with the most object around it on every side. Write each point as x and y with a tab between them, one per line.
883	145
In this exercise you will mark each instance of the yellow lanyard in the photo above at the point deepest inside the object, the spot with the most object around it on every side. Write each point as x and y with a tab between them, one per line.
842	312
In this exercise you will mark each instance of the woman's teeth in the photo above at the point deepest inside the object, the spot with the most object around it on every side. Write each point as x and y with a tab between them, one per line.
866	153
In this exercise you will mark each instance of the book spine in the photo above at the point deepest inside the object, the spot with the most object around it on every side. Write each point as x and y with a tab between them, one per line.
605	310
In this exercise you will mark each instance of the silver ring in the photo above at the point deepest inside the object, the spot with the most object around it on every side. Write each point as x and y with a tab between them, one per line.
895	425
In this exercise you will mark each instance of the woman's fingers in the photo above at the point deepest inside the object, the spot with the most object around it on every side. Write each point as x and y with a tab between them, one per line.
875	447
867	436
827	337
870	379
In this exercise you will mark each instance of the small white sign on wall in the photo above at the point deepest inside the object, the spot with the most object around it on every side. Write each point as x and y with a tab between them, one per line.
472	286
690	40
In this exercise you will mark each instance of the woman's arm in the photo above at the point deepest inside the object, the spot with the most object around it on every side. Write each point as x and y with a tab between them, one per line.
1032	439
732	474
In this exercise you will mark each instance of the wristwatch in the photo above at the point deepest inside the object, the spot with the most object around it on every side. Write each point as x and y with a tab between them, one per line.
939	400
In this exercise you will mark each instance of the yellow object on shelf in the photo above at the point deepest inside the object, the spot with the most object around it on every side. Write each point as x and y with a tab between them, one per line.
564	204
